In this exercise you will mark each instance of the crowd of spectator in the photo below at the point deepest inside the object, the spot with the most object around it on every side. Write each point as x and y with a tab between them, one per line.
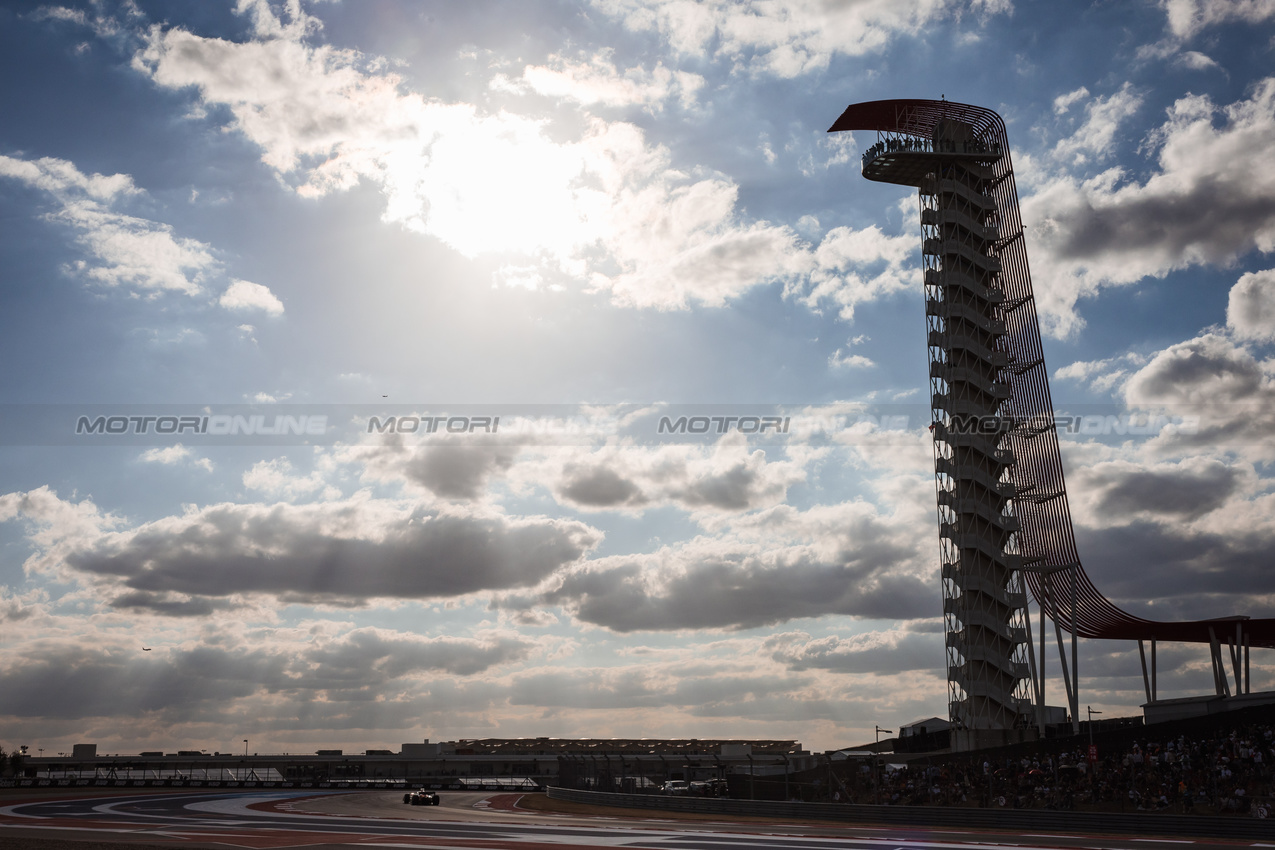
1228	771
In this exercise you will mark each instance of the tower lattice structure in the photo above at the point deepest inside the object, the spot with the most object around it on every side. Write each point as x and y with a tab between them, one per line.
1004	522
983	339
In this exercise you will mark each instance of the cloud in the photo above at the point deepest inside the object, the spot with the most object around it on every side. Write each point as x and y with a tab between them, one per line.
1064	102
680	244
392	655
1225	390
1187	510
102	26
338	552
597	82
1195	528
53	520
840	359
1250	310
1209	369
599	487
343	666
1196	61
457	471
173	455
1211	200
1103	116
785	40
724	679
276	478
852	267
727	477
1186	18
1103	375
1197	572
602	206
889	652
1119	491
244	295
450	470
124	250
776	566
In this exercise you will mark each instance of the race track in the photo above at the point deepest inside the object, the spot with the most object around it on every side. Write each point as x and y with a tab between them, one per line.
276	819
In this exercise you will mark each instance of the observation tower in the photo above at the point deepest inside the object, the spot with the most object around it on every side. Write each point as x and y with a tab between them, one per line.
1004	522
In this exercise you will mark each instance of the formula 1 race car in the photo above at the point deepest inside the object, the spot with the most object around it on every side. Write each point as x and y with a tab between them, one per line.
421	797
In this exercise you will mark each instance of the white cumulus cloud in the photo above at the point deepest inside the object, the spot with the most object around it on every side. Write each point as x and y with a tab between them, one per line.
245	295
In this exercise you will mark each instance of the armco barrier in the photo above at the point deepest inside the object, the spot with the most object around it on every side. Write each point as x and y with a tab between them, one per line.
1012	820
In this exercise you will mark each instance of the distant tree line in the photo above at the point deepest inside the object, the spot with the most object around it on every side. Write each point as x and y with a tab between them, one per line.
10	763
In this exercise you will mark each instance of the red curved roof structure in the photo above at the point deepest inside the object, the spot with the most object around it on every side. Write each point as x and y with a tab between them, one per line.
1047	540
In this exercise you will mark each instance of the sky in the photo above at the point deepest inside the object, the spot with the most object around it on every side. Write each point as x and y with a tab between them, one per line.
538	235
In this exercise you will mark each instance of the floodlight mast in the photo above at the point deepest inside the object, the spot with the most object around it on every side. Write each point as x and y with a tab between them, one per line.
989	397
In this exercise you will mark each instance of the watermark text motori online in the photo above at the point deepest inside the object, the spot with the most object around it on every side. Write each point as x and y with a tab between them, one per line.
213	424
806	423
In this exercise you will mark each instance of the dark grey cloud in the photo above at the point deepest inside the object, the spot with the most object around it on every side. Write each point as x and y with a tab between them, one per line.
394	655
67	681
169	604
736	588
1181	492
458	472
1163	571
1229	392
1213	220
599	487
1209	369
731	479
734	489
13	611
189	684
298	554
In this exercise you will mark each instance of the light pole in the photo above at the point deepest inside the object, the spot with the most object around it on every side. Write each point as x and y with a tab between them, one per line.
1093	752
876	765
1091	714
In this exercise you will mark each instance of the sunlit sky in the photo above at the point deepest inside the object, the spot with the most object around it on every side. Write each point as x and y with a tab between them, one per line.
597	212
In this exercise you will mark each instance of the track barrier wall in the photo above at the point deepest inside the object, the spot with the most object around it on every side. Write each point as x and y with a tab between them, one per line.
1014	820
334	784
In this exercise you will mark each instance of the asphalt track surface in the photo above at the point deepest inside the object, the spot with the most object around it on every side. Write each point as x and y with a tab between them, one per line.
278	819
